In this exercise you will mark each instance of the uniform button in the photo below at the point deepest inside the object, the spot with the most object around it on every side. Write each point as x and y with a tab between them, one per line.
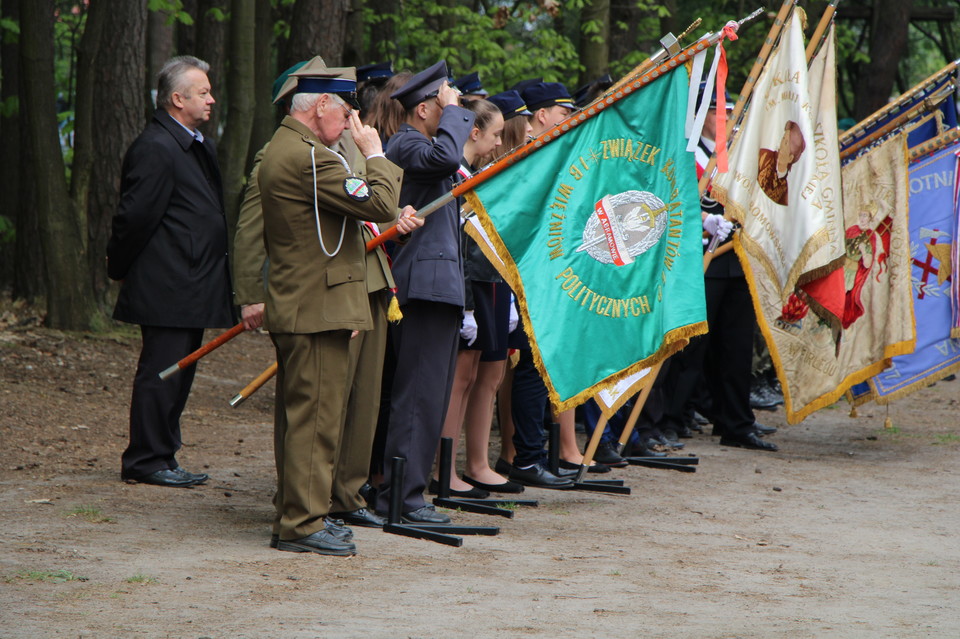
441	253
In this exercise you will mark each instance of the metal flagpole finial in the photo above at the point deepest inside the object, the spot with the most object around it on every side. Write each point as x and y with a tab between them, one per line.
688	30
750	17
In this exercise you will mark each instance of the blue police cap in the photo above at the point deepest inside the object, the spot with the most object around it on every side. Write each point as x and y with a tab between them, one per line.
510	104
523	84
547	94
470	85
375	72
713	97
589	92
421	86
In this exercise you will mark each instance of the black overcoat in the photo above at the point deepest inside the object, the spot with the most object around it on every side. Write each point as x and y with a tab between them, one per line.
169	239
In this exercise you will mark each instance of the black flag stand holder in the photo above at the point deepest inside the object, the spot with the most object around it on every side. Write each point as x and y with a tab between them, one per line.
441	533
683	464
594	485
481	506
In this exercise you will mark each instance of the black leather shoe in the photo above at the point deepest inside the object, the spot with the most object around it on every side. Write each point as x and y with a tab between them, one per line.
274	540
369	494
338	528
609	457
595	467
639	450
540	477
684	432
473	493
750	440
669	439
166	477
198	478
361	517
425	515
501	467
505	487
763	429
322	542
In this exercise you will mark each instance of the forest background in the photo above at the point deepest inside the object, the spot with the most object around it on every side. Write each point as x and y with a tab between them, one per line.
76	83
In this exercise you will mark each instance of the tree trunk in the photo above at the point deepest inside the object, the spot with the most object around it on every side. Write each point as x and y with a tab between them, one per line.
187	33
112	60
236	135
385	45
353	38
159	50
70	301
594	36
9	144
888	44
212	48
264	114
318	27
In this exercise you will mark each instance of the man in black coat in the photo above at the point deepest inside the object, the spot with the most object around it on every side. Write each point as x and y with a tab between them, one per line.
169	249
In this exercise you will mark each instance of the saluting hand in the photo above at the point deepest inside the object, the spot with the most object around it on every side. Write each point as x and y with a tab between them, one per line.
447	95
366	137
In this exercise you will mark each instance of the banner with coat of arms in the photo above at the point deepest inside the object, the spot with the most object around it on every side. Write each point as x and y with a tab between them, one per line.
599	236
878	313
933	235
783	185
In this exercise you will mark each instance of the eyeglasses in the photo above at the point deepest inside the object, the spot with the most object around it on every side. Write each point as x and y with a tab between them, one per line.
343	105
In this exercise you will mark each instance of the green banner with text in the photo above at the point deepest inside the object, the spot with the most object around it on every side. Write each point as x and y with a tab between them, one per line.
599	234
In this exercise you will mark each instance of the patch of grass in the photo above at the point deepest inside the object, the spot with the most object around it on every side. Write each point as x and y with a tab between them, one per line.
141	579
48	576
560	511
931	563
89	513
893	430
948	438
613	573
508	505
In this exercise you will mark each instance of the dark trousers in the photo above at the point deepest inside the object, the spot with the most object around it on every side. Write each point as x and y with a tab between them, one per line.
362	409
528	401
156	404
425	345
729	353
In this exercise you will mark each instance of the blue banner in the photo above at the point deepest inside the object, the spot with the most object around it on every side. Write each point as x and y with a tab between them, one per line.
933	233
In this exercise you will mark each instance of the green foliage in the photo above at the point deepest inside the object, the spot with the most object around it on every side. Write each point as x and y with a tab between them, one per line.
10	29
520	46
174	11
8	230
10	107
141	579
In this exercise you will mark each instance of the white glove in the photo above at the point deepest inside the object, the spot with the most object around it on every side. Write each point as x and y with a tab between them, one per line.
717	225
514	315
468	330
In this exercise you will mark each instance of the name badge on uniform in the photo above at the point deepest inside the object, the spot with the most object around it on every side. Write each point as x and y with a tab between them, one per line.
357	189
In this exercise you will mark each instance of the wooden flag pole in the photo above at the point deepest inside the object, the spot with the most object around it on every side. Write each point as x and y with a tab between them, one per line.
254	386
200	352
859	128
821	31
747	90
929	104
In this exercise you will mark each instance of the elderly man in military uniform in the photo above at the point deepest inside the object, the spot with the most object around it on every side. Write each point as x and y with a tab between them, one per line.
313	209
428	270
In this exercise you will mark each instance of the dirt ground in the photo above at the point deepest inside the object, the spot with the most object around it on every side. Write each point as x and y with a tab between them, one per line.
849	531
